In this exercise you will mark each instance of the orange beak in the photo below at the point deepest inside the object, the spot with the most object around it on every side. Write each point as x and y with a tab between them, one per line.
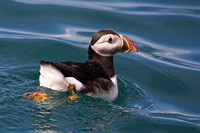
127	46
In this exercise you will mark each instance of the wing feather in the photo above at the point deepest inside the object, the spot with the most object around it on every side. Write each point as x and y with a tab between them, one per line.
83	72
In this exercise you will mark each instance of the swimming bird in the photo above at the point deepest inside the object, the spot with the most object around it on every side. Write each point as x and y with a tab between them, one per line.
96	77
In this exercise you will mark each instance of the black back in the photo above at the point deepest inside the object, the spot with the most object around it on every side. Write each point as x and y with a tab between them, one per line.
83	72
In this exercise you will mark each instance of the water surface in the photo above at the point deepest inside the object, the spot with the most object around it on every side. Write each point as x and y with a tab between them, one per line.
159	88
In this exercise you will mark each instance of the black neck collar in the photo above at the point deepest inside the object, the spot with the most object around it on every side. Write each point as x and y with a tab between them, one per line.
105	61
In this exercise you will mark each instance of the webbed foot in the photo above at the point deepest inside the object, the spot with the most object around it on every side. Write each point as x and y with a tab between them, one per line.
73	96
35	96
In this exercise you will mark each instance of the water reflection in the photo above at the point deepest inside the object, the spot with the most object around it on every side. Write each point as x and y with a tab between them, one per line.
92	114
86	115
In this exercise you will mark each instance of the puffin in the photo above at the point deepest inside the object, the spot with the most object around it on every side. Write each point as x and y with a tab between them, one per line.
96	77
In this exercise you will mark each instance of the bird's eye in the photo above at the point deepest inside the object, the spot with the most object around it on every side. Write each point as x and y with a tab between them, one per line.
110	40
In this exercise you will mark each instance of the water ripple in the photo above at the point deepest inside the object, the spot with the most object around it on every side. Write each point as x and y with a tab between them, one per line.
158	87
147	49
164	54
188	119
125	7
71	35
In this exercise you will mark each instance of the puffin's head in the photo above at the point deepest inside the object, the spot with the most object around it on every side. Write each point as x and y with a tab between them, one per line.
108	42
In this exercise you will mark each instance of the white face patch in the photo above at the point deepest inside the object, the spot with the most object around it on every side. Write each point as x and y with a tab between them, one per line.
107	45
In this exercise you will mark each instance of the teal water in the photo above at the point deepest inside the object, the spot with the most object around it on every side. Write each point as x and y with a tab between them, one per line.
159	87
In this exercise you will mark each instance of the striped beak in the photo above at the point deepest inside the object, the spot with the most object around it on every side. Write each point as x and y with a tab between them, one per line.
126	46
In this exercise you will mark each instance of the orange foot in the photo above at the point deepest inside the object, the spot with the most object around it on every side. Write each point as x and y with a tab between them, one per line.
73	96
35	96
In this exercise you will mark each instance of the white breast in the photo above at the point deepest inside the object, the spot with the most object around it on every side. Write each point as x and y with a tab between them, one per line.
113	92
110	95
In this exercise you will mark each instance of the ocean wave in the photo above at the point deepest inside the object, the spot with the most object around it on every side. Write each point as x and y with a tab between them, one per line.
126	7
